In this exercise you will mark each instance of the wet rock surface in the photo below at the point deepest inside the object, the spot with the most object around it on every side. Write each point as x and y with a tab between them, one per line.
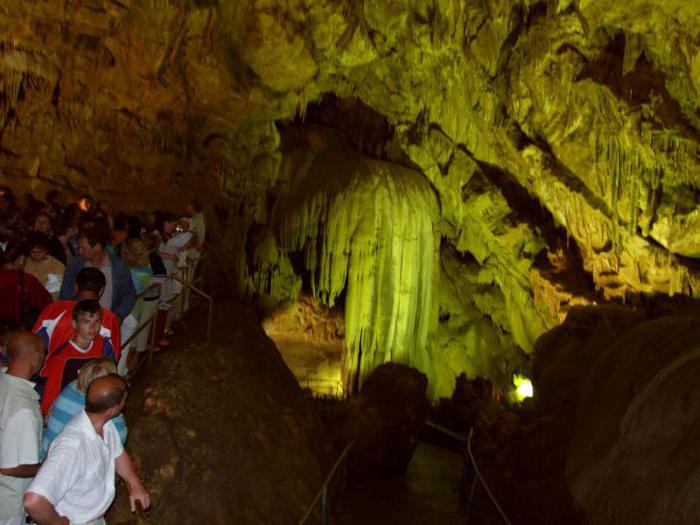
222	434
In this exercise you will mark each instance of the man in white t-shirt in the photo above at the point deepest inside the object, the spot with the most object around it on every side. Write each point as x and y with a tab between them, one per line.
20	424
76	483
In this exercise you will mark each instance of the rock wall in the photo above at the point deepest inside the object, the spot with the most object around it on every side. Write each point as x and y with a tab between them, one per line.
560	137
619	390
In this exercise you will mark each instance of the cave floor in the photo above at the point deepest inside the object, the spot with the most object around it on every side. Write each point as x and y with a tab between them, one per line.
221	433
426	495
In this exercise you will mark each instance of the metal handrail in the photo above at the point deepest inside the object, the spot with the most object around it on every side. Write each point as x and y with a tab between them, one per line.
150	322
209	299
482	480
462	439
322	494
468	442
150	288
138	331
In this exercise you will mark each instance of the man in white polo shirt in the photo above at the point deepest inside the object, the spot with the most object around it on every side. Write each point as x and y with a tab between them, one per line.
76	483
20	424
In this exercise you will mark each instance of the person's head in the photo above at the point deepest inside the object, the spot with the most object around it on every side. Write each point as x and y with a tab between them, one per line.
8	328
165	224
91	244
121	221
15	255
63	229
25	354
72	213
91	283
38	245
94	369
135	254
53	197
193	207
27	202
134	225
106	396
42	223
87	321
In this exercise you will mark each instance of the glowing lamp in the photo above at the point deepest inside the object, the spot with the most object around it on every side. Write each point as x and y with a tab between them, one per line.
523	387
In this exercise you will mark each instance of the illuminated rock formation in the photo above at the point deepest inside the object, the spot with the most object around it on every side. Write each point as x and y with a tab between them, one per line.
557	138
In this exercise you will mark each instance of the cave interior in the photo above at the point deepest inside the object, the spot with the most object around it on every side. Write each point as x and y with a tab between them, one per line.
501	196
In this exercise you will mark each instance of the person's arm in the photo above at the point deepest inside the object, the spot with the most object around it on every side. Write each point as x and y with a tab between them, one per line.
38	296
42	511
137	492
67	292
125	293
19	451
115	329
166	255
56	250
21	471
57	474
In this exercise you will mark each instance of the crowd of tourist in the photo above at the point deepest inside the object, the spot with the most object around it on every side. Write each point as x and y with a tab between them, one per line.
77	282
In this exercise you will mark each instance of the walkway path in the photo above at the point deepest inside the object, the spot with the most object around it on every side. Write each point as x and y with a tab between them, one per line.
427	495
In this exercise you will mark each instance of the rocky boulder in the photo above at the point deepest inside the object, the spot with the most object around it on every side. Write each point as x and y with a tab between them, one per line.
385	420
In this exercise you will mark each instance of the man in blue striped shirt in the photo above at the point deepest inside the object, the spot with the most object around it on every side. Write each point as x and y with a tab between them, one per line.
72	400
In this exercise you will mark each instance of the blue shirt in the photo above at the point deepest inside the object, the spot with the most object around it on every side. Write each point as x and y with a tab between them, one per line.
69	402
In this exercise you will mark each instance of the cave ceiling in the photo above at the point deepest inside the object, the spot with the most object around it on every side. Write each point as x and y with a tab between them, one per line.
560	137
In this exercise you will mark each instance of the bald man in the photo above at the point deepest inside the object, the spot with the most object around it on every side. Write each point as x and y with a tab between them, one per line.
20	424
76	483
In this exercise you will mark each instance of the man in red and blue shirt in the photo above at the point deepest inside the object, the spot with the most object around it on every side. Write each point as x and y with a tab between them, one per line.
74	333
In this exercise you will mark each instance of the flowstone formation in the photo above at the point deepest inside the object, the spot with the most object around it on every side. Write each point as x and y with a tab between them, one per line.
559	139
369	234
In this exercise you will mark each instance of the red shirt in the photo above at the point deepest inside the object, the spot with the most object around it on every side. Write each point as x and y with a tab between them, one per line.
10	294
55	326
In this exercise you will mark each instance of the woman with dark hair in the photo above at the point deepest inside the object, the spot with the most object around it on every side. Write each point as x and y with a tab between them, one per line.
23	296
64	232
41	264
43	223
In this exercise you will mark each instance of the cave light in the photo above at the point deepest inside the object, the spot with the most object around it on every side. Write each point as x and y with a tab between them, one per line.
523	387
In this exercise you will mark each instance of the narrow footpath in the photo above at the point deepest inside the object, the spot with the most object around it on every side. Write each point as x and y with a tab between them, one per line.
426	495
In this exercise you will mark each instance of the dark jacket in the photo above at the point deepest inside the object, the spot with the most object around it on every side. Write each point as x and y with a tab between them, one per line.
10	294
123	292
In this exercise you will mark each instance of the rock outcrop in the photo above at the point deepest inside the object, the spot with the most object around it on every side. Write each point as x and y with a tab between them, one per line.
384	421
560	138
619	390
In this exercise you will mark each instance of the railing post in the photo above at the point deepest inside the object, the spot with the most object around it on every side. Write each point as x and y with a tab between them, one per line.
324	505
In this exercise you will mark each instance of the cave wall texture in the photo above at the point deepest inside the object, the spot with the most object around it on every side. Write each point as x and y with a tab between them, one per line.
559	138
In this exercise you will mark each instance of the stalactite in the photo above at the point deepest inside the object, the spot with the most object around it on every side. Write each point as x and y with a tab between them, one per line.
673	154
10	86
372	235
634	46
